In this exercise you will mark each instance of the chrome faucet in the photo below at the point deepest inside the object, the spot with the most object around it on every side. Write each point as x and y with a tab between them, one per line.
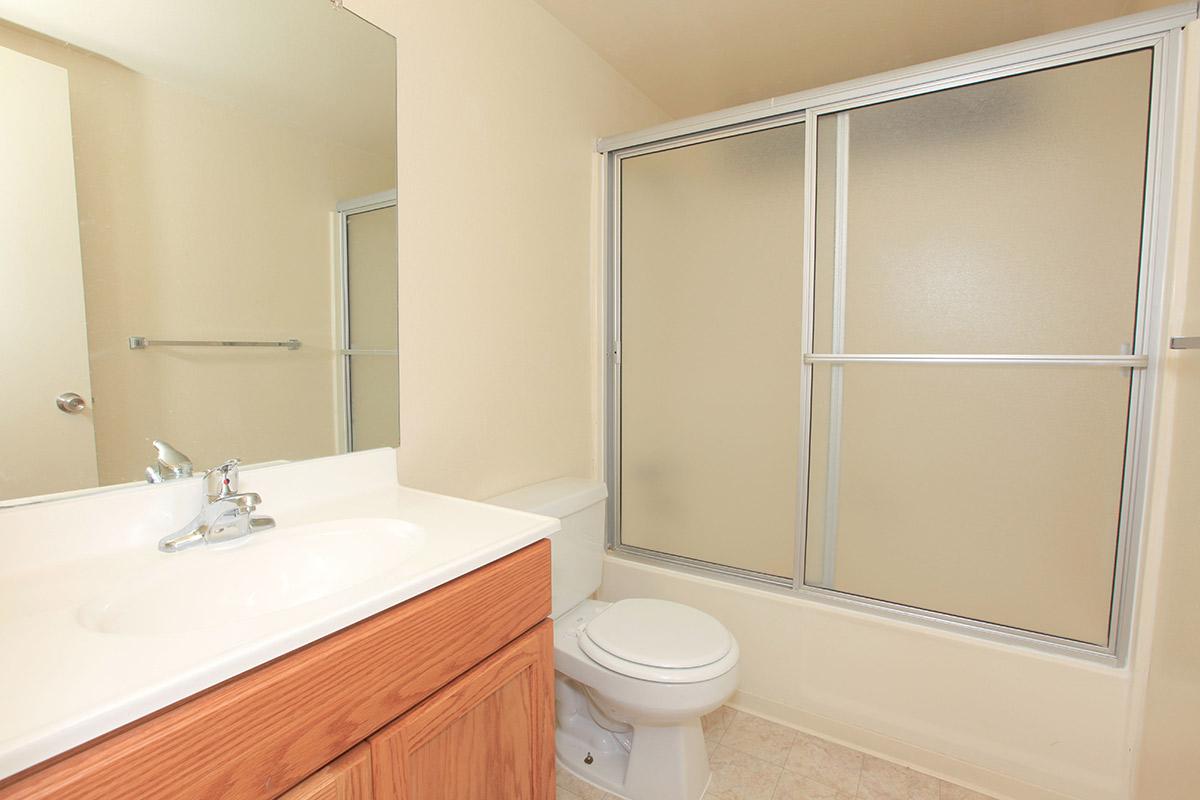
170	464
226	515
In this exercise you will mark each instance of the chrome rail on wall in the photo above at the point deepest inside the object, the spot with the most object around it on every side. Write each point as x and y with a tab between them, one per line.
1133	361
142	342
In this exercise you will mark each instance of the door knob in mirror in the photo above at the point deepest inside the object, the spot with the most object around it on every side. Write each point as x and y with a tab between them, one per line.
70	403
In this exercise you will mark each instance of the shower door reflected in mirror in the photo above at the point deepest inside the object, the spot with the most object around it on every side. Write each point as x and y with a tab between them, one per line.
711	256
204	200
370	360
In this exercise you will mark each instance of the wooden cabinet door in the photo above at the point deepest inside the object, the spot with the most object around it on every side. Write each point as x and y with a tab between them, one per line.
489	735
347	778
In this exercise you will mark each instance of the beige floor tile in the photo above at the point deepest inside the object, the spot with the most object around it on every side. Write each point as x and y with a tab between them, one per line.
740	776
883	780
796	787
760	738
576	788
716	723
950	791
826	763
755	759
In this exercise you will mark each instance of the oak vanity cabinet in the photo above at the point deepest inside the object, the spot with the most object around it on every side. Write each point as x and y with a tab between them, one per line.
448	696
488	736
348	778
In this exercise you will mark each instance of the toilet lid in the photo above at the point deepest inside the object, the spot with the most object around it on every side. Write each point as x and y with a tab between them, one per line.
659	633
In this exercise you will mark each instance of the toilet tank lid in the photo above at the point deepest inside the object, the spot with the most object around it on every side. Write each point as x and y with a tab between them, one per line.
560	497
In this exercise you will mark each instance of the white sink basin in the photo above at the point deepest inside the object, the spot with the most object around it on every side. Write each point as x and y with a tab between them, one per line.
220	585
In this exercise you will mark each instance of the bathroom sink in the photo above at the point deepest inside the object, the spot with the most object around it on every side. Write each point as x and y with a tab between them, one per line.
219	585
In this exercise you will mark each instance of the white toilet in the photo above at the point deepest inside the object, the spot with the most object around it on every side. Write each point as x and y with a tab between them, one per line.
633	677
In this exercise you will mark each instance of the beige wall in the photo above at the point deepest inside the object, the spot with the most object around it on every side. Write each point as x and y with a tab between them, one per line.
202	221
1168	766
694	56
499	109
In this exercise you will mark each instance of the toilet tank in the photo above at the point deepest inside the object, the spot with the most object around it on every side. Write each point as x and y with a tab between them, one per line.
576	551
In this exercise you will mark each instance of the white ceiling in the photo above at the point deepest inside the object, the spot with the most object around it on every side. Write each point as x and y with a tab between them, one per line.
301	61
693	56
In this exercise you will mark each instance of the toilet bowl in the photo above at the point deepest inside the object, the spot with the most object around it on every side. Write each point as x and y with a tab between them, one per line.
633	677
660	749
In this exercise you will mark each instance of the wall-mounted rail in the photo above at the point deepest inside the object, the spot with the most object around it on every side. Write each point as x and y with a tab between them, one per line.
142	342
1136	362
1185	342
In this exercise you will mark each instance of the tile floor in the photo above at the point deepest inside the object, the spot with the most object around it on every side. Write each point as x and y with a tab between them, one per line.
755	759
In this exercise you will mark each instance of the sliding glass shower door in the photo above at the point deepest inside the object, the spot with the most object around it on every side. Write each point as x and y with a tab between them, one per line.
712	240
921	388
1003	218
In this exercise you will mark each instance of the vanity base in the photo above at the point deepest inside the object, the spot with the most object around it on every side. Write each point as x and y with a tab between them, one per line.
260	734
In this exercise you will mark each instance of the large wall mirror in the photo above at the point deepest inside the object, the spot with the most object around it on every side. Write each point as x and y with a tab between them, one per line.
198	236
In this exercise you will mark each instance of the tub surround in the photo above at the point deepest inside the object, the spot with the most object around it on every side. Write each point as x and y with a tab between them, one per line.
78	674
1009	721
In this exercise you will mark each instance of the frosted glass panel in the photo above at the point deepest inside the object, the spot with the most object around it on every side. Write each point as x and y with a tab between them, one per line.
373	279
374	387
983	491
997	218
711	271
372	311
1002	217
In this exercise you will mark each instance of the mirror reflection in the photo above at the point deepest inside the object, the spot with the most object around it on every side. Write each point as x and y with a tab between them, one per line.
198	237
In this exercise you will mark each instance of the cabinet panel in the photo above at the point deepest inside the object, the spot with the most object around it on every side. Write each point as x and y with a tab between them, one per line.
487	736
348	778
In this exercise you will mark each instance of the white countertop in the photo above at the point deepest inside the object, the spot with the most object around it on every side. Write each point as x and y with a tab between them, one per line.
62	683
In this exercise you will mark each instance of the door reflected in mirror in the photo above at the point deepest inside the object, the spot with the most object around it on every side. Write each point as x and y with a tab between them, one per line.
198	236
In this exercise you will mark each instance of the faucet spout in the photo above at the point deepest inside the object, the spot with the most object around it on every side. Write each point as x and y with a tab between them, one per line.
224	518
181	540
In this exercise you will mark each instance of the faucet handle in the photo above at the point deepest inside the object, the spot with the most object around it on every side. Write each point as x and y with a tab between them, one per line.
169	465
222	480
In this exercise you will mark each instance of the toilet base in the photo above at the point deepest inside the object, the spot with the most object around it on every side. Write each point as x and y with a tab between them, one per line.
650	762
607	770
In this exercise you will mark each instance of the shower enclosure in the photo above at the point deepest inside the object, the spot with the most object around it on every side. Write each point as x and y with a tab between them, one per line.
368	362
891	344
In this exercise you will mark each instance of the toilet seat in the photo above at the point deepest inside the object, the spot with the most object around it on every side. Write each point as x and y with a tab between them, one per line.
659	641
